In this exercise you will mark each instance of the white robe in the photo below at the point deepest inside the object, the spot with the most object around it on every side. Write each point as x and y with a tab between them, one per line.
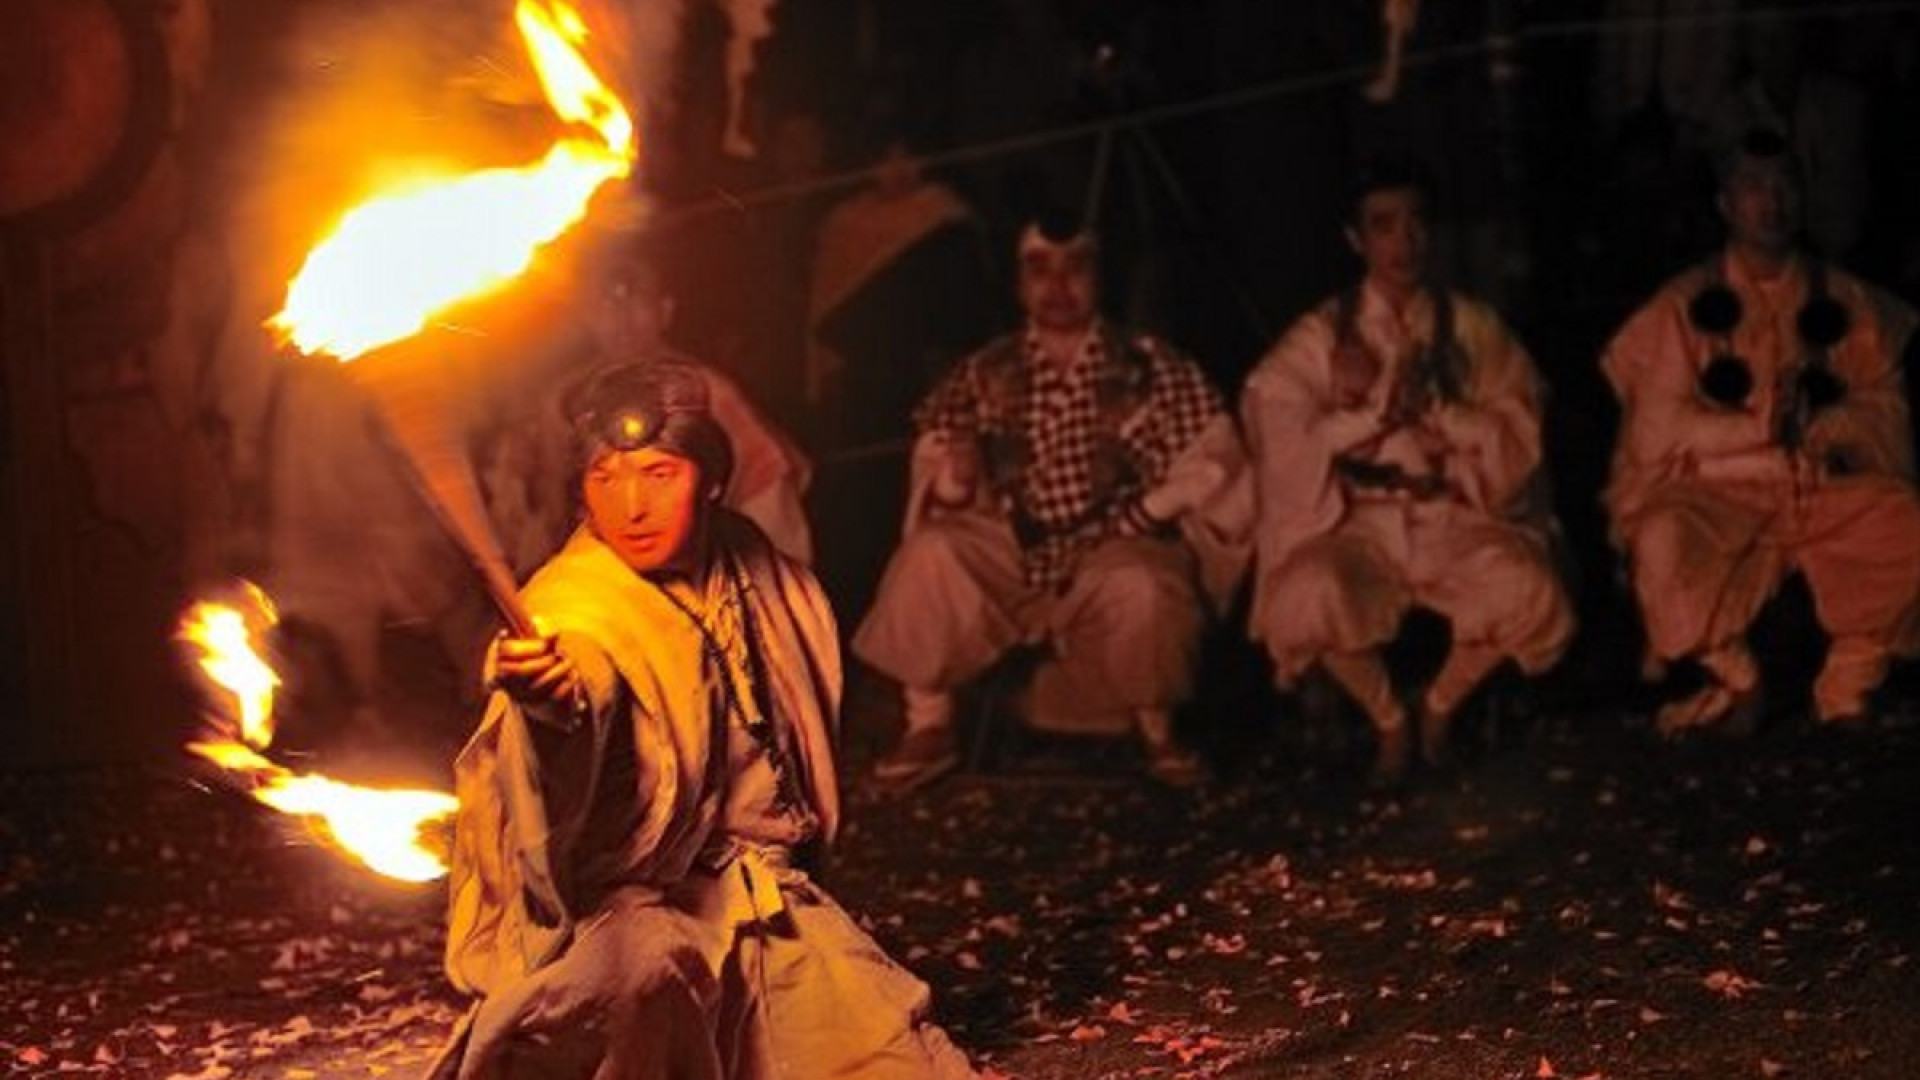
1337	570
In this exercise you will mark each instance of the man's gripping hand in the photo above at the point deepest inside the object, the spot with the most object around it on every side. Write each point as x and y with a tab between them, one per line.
536	674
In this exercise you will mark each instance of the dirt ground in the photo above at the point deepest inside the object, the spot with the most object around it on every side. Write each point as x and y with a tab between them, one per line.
1571	899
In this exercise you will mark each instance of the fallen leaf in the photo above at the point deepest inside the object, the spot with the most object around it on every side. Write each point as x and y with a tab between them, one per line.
1729	984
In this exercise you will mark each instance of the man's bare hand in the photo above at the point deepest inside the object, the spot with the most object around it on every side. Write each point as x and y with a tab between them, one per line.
1355	368
533	671
958	477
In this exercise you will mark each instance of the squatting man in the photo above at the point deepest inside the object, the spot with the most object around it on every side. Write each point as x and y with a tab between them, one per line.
1395	432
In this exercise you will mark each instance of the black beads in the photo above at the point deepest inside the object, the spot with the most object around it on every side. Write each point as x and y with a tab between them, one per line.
1714	310
1727	380
1823	322
1820	388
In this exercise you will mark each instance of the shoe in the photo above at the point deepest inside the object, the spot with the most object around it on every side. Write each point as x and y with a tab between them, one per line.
1391	759
1175	766
922	756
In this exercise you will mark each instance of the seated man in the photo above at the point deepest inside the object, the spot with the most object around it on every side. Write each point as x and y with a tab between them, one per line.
628	896
628	317
1395	432
1765	430
1074	485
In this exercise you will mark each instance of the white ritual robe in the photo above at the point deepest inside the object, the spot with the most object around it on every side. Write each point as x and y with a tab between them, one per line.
1337	569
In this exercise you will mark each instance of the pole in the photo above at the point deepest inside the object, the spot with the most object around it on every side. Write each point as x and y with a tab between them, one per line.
410	401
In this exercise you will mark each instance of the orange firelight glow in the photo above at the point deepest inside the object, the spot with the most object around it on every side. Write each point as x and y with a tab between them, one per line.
402	257
228	657
381	828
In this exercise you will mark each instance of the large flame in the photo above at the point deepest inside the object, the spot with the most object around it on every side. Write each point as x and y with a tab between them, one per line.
382	828
396	261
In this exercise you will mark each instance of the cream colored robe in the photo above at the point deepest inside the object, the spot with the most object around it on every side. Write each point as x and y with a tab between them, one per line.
599	906
1706	503
1337	573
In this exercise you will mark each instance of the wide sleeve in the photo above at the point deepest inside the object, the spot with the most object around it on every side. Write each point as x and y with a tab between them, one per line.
1214	484
1180	406
1493	434
1282	409
1664	419
1869	429
947	421
525	788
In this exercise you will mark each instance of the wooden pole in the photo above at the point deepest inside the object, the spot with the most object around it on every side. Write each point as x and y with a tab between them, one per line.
410	390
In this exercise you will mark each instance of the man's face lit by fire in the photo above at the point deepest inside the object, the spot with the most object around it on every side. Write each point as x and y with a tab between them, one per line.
1389	233
647	505
1058	290
1760	201
632	315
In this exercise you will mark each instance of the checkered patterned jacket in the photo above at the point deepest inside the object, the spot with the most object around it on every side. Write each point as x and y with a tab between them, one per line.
1069	449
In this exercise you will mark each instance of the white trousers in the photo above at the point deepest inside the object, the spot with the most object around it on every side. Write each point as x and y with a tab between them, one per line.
1125	628
1348	590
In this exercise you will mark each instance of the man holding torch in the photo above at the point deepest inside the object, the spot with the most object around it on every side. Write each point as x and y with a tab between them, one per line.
629	896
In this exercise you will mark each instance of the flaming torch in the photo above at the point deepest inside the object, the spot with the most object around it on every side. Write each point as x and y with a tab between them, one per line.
385	829
396	261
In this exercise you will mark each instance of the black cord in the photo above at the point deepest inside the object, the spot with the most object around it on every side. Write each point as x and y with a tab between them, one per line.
758	723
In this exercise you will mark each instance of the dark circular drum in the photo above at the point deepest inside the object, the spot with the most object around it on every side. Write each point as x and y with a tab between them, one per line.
84	99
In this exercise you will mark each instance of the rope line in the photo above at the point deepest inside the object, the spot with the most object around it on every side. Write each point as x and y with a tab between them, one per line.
1352	74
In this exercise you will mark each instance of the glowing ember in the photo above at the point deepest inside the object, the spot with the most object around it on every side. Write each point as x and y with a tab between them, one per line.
382	828
400	258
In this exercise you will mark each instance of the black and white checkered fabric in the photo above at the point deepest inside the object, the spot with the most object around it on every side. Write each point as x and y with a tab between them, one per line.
1070	448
